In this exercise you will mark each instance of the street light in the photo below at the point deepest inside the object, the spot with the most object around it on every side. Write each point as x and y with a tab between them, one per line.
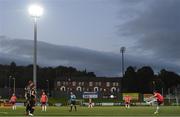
122	50
35	11
48	86
14	85
10	85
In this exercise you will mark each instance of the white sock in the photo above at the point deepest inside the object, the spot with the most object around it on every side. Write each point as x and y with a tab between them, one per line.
45	108
157	109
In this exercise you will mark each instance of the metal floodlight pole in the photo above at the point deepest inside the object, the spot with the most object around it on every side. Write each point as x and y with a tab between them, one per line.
9	85
35	53
14	85
122	50
48	87
35	11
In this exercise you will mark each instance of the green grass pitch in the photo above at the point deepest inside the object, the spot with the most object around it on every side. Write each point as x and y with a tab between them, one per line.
96	111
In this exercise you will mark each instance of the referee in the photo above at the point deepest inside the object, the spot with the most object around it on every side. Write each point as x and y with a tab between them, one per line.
72	102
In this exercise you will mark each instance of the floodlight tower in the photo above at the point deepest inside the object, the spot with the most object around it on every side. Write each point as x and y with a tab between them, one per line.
122	50
35	12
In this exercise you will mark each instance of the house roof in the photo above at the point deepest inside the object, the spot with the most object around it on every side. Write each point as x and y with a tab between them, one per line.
96	79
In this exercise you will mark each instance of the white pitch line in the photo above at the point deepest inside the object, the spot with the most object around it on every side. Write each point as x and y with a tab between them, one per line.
4	112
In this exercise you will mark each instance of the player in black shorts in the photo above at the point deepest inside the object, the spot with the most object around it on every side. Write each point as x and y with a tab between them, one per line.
30	96
73	102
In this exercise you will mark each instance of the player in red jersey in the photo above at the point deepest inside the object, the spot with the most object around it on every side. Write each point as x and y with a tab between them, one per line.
13	101
159	99
127	100
44	100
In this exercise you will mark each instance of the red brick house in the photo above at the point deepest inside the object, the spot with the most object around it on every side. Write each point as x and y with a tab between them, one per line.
90	84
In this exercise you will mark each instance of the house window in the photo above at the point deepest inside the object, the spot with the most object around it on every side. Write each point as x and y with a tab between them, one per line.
96	89
58	83
79	89
79	83
63	88
99	83
113	89
117	84
90	83
96	83
114	84
82	83
107	84
73	83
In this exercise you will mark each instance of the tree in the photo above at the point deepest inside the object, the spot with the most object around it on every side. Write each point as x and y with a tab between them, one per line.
145	77
169	79
130	80
12	69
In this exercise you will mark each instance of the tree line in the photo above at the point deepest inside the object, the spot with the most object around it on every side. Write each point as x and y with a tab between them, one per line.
45	75
144	80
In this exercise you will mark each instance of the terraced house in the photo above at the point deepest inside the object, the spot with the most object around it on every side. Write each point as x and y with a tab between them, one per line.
103	85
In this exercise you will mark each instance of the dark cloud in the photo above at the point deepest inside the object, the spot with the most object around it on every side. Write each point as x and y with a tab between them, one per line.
53	55
102	63
156	29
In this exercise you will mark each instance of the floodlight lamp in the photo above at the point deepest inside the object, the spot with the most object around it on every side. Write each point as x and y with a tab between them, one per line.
35	10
